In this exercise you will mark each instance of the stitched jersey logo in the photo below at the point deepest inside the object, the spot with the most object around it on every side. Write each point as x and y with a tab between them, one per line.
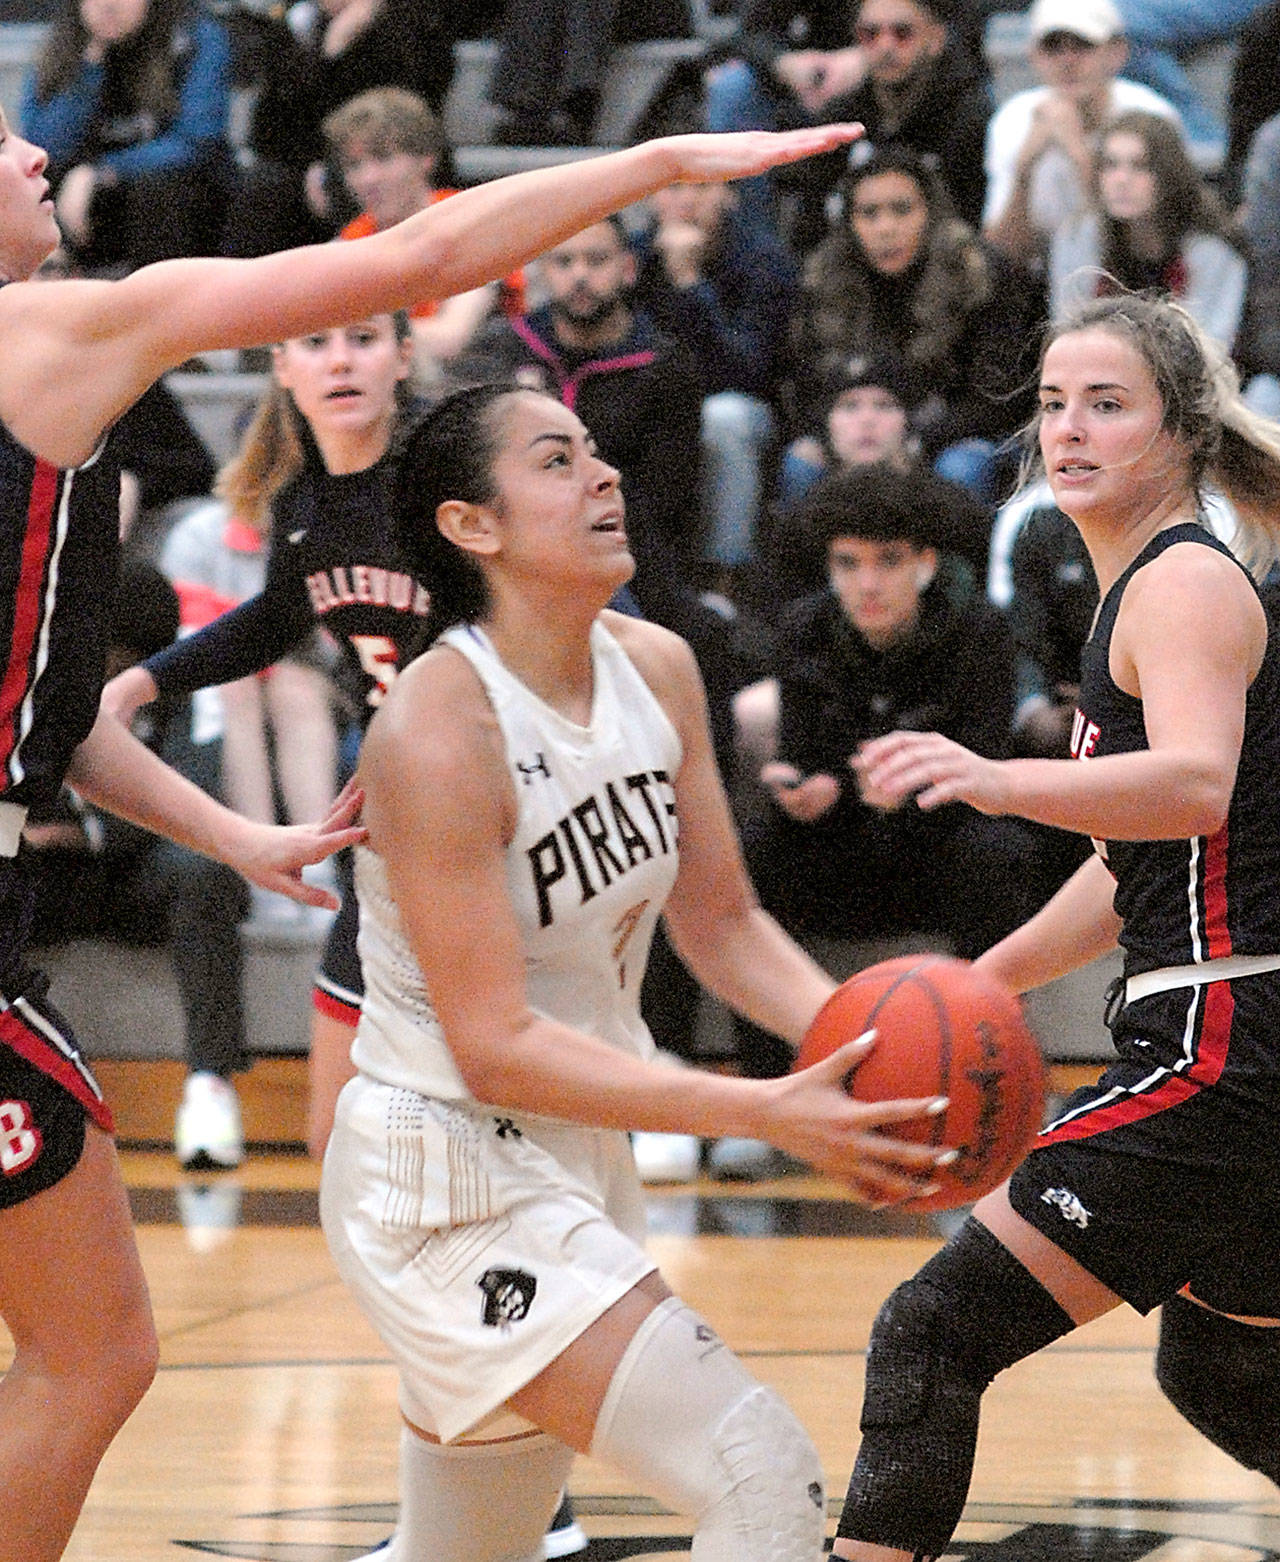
1068	1205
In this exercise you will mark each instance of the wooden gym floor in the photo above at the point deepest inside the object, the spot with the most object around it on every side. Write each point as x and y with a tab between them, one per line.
270	1434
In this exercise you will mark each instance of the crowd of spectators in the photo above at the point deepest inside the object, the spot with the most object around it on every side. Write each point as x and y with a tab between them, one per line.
813	383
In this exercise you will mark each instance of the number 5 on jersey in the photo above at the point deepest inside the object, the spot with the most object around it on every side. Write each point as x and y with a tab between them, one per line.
380	661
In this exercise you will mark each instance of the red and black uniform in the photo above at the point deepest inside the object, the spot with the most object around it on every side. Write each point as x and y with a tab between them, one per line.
332	562
1167	1171
58	561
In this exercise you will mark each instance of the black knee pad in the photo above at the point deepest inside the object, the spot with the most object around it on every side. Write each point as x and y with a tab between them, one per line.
1224	1377
937	1343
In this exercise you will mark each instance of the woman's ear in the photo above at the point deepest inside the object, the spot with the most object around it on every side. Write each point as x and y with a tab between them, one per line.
468	526
926	569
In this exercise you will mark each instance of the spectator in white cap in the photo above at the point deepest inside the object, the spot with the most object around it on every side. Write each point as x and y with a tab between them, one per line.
1041	142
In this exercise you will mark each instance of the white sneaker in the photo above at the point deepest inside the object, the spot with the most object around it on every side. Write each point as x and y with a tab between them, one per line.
566	1537
207	1131
667	1157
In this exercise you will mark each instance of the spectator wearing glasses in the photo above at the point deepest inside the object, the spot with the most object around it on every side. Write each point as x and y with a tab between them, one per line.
911	71
1040	145
922	90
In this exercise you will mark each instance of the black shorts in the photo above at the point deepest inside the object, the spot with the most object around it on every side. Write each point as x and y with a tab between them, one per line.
46	1094
1166	1173
339	984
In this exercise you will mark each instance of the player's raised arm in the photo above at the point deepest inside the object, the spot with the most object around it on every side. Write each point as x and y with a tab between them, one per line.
119	336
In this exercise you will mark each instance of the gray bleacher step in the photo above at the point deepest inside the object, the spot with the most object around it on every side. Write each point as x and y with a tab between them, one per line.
123	1000
637	73
218	405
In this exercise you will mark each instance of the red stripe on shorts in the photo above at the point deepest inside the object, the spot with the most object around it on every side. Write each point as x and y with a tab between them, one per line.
29	1044
1212	1046
334	1008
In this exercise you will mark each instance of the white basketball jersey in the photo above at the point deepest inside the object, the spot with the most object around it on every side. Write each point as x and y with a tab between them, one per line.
592	861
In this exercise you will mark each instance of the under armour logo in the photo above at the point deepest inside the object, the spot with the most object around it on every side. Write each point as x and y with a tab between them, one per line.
298	535
506	1129
508	1295
539	767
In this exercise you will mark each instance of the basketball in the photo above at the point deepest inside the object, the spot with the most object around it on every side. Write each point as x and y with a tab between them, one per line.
941	1030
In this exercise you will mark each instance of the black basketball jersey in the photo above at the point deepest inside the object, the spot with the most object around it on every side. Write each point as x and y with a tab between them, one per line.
59	557
1187	901
333	562
331	538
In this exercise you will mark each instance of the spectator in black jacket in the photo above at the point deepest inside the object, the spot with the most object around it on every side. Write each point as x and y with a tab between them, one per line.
900	639
726	293
1254	93
553	57
1257	347
911	71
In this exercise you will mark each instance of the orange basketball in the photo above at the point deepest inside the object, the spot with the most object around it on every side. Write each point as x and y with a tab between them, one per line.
942	1030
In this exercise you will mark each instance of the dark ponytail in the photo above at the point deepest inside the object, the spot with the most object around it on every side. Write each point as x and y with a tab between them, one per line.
446	454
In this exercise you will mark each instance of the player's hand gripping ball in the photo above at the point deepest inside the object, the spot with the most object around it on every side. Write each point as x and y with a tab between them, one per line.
942	1030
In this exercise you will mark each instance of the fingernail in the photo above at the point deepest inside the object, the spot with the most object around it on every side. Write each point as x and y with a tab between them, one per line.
937	1105
947	1158
927	1193
866	1039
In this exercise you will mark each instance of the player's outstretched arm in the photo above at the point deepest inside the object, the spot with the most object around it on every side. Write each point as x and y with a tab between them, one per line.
112	769
114	338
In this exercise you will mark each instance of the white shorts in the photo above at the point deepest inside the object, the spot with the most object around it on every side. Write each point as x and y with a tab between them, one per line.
479	1244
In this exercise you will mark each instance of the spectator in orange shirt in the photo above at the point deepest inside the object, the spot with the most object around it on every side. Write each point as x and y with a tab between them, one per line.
388	144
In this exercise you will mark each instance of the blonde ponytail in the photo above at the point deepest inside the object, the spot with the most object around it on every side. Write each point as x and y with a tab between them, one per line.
270	454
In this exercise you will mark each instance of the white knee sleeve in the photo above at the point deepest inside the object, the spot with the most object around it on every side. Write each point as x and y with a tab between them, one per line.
478	1502
686	1419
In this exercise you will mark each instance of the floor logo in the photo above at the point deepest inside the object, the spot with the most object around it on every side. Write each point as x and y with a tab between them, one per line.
1087	1530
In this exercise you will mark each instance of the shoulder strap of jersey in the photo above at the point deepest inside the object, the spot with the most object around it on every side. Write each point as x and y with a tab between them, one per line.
1185	531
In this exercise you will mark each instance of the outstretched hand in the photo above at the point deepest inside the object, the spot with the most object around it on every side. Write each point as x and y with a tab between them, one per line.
275	855
823	1125
712	158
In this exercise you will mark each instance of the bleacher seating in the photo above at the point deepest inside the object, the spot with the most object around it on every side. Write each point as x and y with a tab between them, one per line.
637	74
218	405
123	1001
